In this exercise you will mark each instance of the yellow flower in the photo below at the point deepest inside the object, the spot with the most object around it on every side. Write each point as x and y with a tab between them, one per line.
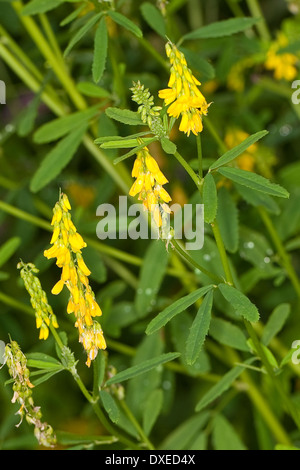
284	65
184	94
67	244
148	185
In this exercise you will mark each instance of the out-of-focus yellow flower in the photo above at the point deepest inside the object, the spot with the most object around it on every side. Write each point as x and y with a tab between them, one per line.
81	194
43	311
67	244
149	185
284	65
246	161
183	95
236	77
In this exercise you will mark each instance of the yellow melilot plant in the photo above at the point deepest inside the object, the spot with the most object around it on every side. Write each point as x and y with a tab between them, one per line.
67	244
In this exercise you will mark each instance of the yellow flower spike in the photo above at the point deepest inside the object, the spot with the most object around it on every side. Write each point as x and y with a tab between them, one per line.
182	93
67	244
148	186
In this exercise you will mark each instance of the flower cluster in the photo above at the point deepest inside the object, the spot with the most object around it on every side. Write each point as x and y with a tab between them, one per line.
43	311
284	65
149	186
184	94
67	244
17	367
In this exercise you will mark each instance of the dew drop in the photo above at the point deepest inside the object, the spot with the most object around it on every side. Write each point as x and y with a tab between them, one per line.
249	245
166	385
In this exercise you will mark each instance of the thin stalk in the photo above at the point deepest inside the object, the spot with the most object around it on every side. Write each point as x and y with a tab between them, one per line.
199	153
293	412
188	169
149	48
196	265
222	252
26	76
285	258
137	425
58	68
256	12
99	413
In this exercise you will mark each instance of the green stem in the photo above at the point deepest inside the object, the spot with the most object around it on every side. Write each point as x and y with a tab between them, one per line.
256	12
29	80
293	412
137	425
99	413
149	48
190	260
58	68
222	252
286	260
199	152
188	169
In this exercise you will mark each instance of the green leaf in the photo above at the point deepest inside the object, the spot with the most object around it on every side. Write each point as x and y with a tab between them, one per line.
257	199
240	303
142	368
8	249
228	220
110	406
82	32
238	150
126	23
61	126
57	159
219	388
152	410
100	51
125	116
210	198
228	334
90	89
46	376
199	329
174	309
275	322
151	276
168	146
43	361
185	433
222	28
72	16
224	436
121	143
145	141
40	6
254	181
154	18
